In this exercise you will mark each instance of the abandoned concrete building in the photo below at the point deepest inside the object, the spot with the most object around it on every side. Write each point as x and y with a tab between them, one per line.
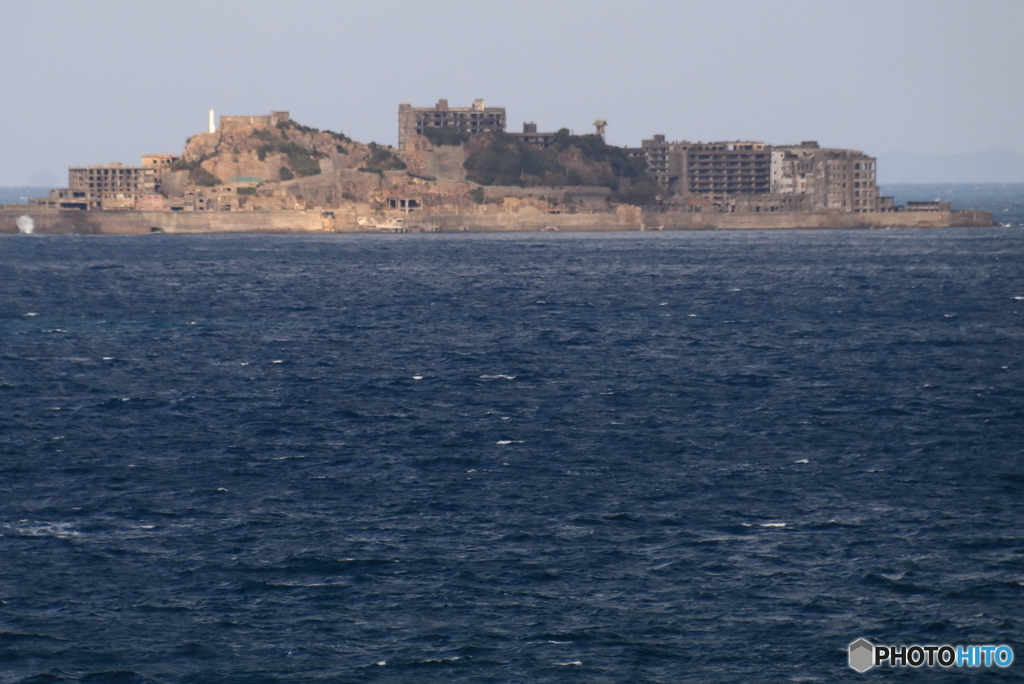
475	119
531	137
160	162
804	177
275	118
114	186
832	178
687	168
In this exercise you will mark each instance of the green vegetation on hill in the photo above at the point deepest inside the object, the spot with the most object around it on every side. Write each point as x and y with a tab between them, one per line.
201	176
291	124
302	161
381	159
196	173
445	136
502	159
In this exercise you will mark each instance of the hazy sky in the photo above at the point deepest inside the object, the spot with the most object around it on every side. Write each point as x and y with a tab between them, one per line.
95	82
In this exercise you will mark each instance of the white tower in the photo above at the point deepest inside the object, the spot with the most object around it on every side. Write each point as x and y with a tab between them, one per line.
213	126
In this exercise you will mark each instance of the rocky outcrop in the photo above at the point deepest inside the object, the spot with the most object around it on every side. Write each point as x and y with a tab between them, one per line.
250	151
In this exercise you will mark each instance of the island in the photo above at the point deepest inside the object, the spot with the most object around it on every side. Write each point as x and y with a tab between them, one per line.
457	169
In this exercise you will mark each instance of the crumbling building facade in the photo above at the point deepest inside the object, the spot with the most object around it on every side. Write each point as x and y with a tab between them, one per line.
687	168
844	180
114	186
275	118
476	119
723	176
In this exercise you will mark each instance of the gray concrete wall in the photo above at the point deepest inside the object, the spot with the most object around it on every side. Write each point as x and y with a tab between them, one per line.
626	218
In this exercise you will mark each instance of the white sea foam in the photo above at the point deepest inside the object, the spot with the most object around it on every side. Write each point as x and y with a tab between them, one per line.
31	313
497	377
417	377
60	530
575	662
509	441
802	460
773	524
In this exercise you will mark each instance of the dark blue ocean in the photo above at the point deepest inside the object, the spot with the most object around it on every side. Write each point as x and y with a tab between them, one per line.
646	457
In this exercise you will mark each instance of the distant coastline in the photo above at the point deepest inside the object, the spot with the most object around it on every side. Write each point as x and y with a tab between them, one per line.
21	194
989	166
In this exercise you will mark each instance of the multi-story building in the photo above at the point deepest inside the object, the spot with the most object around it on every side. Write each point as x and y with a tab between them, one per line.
802	177
160	162
114	186
476	119
531	137
740	167
830	178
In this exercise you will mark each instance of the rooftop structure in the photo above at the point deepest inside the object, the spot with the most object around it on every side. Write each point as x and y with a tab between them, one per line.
531	137
274	119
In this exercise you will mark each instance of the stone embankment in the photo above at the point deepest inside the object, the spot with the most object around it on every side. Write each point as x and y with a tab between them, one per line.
52	221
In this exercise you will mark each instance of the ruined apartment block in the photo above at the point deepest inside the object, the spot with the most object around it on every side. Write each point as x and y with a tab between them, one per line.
844	180
476	119
113	186
802	177
709	168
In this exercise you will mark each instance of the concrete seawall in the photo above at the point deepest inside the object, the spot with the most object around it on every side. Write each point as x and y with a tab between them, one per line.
55	221
818	219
